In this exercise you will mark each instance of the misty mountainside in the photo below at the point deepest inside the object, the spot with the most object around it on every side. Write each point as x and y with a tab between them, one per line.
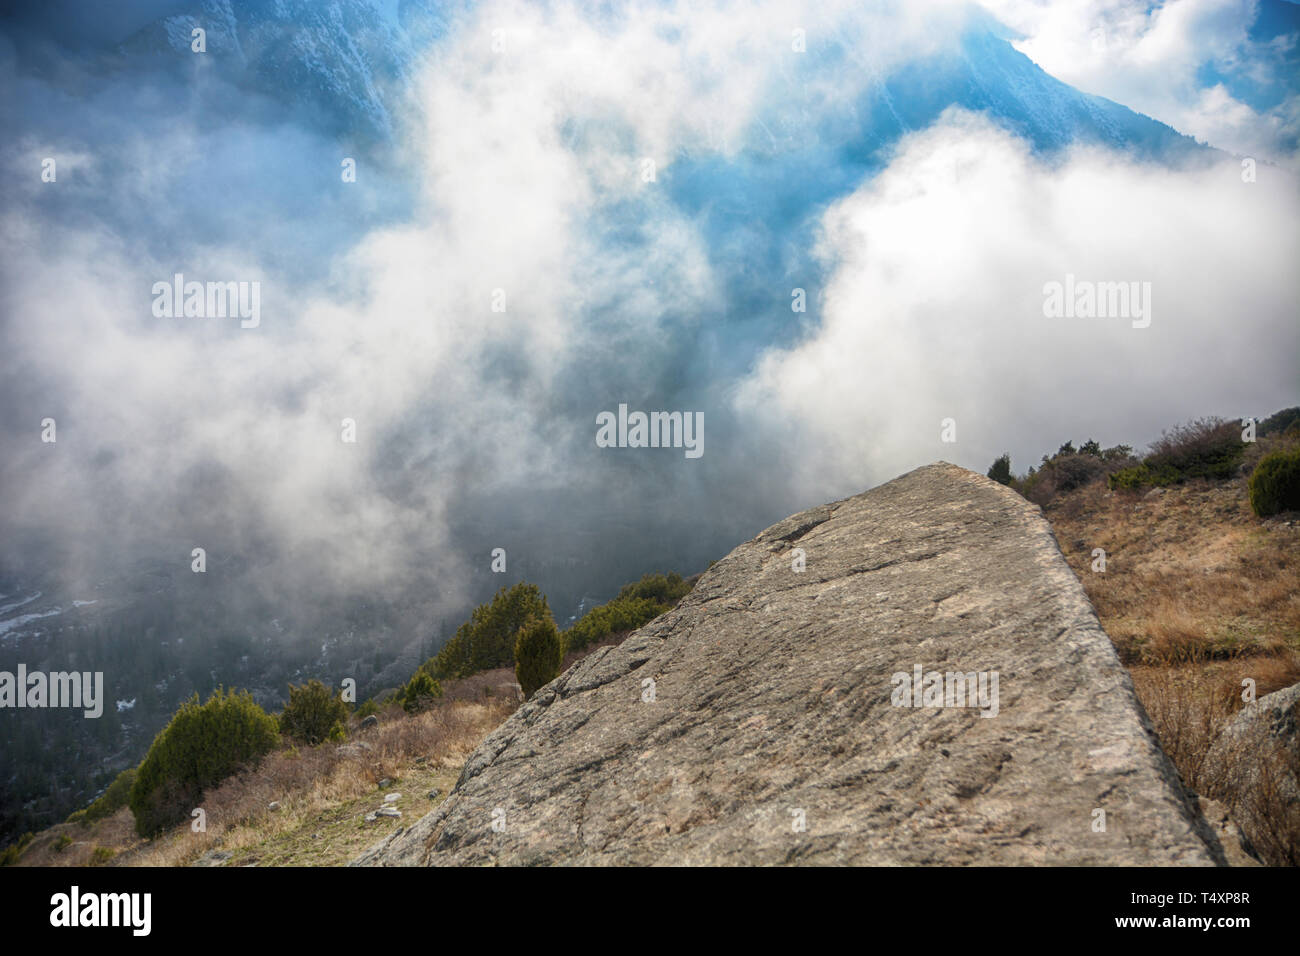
157	638
347	65
320	78
344	63
347	68
159	633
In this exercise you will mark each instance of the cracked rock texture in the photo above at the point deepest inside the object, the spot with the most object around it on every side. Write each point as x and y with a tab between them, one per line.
754	723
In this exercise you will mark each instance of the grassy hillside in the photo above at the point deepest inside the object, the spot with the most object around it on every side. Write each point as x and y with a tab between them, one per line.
300	806
1198	595
315	806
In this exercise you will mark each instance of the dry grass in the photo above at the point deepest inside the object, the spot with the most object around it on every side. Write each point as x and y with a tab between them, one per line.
322	791
1254	776
1198	595
1266	808
1190	704
1191	573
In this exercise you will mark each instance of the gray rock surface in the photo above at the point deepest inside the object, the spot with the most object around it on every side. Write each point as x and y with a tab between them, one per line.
755	723
1253	765
213	858
1236	848
1275	715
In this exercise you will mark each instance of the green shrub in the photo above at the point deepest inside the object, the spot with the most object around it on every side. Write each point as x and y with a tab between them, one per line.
420	692
314	713
1275	483
62	843
1061	473
1207	448
1137	477
666	589
109	802
1000	470
620	614
201	746
1129	479
101	855
539	652
1117	453
14	851
487	639
367	708
637	604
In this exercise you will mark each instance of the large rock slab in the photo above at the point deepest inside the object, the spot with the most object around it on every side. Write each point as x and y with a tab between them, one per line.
756	723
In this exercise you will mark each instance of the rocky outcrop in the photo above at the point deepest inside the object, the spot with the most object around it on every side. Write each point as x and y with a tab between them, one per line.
1274	718
1254	767
770	719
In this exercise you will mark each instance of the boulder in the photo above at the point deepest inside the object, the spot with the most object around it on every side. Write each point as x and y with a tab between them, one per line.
1253	767
770	718
1275	717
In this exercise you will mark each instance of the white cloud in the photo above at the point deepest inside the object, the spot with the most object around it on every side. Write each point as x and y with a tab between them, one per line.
1148	56
934	308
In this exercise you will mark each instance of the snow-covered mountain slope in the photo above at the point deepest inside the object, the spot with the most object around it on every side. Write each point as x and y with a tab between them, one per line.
345	65
342	63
